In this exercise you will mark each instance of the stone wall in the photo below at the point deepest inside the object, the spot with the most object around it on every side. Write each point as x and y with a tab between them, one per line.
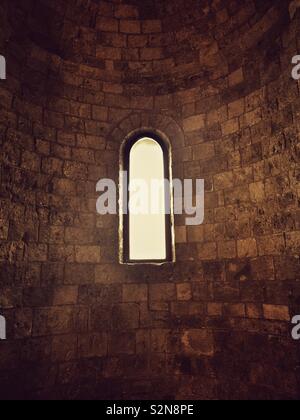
215	77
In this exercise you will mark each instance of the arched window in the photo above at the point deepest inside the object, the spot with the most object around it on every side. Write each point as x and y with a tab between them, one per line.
146	219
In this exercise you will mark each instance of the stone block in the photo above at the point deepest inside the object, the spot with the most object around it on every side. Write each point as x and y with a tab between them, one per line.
198	343
271	245
194	123
130	27
224	181
151	54
106	24
195	233
162	292
236	108
122	343
23	323
254	311
262	269
237	195
207	251
92	345
203	151
257	192
55	320
37	297
137	41
87	254
66	139
226	249
286	267
251	118
101	318
63	253
159	340
276	312
78	236
184	291
37	253
126	317
236	78
64	348
75	171
151	26
142	341
293	242
215	309
135	293
247	248
31	161
126	11
65	295
108	53
181	234
236	310
51	234
230	127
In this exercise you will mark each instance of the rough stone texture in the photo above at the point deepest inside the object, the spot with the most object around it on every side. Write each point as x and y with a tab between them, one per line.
84	74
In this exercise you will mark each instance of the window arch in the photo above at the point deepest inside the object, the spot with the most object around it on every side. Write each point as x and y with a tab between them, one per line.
146	234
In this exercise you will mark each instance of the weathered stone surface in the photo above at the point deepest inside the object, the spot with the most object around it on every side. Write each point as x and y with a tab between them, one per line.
92	345
87	254
214	80
135	293
247	248
184	292
122	343
227	249
64	348
162	292
276	312
194	123
271	245
198	343
125	317
207	251
65	295
215	309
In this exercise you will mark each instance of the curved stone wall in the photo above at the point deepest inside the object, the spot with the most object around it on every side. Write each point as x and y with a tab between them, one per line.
215	77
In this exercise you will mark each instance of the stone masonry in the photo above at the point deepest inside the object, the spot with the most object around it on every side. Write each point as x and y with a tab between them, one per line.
214	76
